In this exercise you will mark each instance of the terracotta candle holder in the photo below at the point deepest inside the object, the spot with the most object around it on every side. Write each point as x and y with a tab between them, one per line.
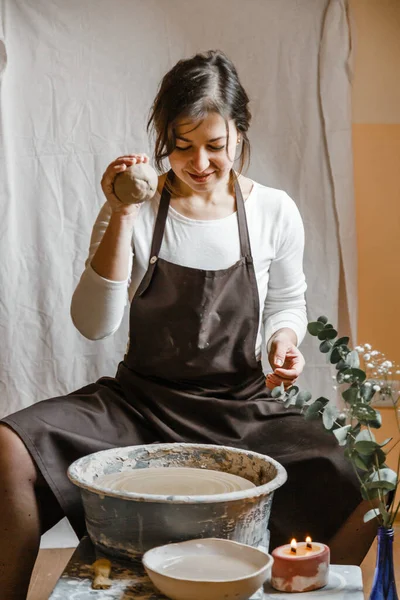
300	567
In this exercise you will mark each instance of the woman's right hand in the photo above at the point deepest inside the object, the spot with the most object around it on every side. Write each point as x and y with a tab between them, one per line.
107	182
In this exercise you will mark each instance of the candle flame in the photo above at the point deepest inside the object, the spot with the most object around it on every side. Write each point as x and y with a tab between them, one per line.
293	546
308	542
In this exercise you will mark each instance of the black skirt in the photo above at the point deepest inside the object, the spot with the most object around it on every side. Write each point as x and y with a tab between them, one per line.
320	494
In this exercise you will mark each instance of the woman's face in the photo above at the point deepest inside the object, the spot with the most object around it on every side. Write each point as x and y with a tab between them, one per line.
201	158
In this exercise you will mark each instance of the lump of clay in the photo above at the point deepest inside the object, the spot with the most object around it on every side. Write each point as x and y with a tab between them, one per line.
137	183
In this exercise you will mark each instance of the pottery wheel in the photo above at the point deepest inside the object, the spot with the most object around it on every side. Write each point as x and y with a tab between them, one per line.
174	481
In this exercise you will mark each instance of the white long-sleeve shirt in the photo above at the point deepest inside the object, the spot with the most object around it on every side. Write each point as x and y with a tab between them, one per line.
277	244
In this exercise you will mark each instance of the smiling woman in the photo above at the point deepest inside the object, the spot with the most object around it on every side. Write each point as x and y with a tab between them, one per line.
212	266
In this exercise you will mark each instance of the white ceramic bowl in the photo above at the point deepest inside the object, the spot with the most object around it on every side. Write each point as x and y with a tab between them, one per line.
211	568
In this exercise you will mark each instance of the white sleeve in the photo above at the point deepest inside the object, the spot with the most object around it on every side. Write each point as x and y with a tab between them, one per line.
98	304
285	304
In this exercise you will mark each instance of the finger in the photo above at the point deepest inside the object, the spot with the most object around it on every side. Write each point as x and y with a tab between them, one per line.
275	381
278	353
124	159
287	373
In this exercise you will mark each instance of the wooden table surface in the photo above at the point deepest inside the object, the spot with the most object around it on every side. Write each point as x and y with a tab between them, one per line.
130	582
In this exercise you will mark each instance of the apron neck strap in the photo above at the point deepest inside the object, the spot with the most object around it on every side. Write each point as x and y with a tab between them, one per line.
162	214
245	249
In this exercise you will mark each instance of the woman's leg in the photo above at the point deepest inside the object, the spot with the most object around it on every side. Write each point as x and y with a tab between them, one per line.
21	487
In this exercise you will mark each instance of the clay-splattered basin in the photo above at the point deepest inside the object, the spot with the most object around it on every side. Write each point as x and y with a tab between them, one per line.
128	524
210	568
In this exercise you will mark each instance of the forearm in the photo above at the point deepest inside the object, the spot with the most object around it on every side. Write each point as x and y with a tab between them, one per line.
112	257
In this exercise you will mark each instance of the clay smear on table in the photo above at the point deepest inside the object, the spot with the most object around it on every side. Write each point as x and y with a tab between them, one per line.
175	481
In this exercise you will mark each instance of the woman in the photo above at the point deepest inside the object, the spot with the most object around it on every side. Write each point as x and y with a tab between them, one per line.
216	273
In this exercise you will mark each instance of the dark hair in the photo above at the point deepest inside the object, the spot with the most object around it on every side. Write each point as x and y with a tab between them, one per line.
207	82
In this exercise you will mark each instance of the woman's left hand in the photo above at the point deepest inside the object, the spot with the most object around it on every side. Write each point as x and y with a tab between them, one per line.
286	360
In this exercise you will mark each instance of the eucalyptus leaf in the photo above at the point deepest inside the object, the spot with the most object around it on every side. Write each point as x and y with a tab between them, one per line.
353	359
329	415
324	401
335	356
293	391
322	319
371	514
362	462
367	392
352	376
340	374
366	447
386	486
380	457
385	442
313	410
304	396
315	327
365	436
364	413
327	334
278	391
341	434
377	422
350	395
325	346
343	341
342	365
369	494
288	402
384	475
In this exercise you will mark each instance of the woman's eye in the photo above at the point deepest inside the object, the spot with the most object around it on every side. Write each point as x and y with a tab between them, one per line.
213	148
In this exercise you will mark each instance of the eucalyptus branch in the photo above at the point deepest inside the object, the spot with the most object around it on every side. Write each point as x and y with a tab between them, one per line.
355	430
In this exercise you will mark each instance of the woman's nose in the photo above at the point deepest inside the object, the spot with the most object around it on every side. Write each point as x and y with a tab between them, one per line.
200	160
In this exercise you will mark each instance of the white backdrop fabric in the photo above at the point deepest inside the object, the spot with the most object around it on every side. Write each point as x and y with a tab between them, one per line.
77	82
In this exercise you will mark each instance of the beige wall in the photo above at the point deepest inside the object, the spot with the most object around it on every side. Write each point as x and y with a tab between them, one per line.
376	141
376	148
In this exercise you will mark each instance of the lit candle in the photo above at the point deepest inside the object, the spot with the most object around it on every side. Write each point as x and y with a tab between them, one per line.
300	566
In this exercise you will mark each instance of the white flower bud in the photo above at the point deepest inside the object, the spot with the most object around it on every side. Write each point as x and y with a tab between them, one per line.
374	353
359	349
342	416
346	377
397	372
367	356
370	366
377	388
367	384
368	346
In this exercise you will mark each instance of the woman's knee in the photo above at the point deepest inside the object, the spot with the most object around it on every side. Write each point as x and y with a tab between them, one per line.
15	461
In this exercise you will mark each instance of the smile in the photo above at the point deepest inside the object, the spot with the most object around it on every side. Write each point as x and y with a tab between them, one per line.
200	178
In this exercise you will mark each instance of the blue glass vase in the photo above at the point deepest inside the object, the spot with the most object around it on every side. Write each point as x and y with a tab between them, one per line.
384	585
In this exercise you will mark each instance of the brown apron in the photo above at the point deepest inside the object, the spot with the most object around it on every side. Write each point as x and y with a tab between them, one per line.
190	374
